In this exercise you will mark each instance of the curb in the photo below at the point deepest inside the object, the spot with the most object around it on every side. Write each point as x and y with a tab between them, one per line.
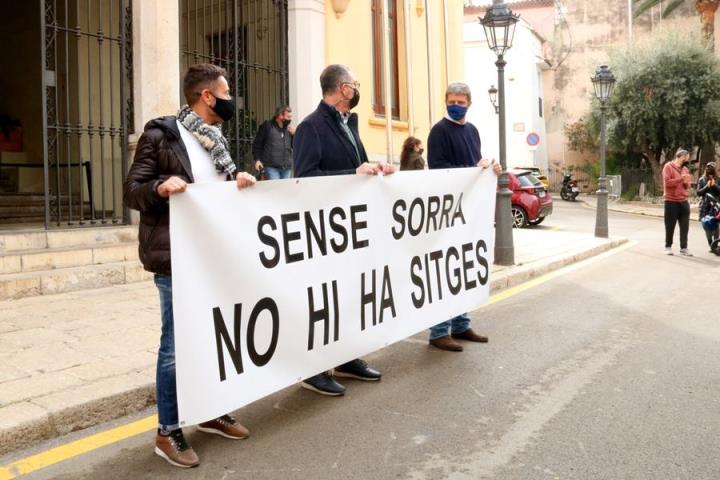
523	273
31	425
640	213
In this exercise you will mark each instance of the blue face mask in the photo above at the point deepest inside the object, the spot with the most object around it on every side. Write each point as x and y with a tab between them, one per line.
456	112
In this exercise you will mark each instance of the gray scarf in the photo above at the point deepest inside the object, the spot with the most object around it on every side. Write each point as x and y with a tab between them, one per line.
210	137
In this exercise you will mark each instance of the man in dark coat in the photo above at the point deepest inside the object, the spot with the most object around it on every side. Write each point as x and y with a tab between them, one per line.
327	142
273	145
172	152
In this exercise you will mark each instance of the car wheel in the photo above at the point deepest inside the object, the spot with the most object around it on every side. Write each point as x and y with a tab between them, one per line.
536	222
520	219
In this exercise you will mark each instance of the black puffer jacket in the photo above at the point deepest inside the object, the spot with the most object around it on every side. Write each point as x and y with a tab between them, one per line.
160	155
702	190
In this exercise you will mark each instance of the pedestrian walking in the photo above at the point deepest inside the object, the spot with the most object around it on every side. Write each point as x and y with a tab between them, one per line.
455	143
411	156
676	182
709	191
273	145
171	153
328	143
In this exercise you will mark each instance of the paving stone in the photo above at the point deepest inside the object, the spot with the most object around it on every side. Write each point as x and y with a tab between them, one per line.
50	259
119	253
19	287
10	264
10	242
35	386
136	362
33	337
49	358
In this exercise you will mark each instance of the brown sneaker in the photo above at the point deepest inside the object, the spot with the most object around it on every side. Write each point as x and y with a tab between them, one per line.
225	426
471	336
175	450
446	343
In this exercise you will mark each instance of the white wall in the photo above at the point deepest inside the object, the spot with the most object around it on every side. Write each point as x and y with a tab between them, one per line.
523	87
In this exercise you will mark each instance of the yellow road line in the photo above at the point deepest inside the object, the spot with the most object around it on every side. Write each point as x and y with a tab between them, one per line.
78	447
102	439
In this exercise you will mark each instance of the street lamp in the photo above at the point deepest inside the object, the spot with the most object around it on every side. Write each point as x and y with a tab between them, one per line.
492	92
499	25
604	83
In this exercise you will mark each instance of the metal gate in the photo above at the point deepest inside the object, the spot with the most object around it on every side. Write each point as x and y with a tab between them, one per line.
87	109
248	38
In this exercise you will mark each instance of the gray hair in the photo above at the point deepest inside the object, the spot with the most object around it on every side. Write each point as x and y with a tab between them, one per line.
458	88
333	76
682	153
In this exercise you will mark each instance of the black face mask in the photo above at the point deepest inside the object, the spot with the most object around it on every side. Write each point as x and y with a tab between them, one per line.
286	123
355	99
224	108
685	164
421	151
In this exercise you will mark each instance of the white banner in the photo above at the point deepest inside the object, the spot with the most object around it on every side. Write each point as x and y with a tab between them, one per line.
286	279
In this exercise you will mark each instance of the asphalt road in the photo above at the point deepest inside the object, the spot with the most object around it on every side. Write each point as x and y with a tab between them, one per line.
607	372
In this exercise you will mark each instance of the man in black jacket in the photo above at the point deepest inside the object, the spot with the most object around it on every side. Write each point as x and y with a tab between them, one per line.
172	152
273	145
327	142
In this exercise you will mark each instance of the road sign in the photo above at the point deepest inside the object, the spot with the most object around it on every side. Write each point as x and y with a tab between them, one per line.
533	139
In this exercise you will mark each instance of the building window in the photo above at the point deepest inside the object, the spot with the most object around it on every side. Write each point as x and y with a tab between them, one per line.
540	106
378	64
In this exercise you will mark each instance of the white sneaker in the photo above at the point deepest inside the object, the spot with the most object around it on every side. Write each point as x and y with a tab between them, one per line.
668	251
685	252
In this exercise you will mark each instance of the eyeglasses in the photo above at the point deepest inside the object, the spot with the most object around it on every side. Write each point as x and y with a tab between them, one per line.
352	84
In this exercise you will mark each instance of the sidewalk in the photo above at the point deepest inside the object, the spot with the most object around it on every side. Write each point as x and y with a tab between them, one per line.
73	360
636	208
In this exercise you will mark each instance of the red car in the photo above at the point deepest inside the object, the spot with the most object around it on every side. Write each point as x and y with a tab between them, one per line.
531	202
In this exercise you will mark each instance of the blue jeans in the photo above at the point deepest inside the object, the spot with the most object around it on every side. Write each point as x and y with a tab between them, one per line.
273	173
166	390
454	326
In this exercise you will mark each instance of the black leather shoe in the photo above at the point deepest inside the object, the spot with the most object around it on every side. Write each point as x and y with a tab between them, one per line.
359	370
324	384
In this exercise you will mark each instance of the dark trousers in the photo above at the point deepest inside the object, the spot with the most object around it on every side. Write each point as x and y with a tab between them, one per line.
677	212
711	236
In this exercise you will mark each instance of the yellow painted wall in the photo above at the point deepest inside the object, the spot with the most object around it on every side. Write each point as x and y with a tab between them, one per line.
349	41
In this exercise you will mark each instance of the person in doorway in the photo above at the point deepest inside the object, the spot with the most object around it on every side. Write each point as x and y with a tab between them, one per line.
327	143
455	143
411	156
676	182
273	145
707	185
171	153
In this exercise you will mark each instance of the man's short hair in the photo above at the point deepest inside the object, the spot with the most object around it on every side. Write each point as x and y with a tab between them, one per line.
199	77
458	88
282	109
332	77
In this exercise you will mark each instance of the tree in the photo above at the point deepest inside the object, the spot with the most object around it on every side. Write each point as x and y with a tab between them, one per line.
706	9
667	96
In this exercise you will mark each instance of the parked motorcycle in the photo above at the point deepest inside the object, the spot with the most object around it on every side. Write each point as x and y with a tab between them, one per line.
569	190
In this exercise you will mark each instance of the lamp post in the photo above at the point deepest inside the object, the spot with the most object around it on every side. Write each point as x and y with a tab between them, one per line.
499	25
604	83
492	93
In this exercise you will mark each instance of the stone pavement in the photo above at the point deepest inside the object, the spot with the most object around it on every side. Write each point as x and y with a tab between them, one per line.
73	360
637	208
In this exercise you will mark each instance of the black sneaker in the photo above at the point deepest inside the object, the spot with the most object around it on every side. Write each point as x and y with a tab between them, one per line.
324	384
359	370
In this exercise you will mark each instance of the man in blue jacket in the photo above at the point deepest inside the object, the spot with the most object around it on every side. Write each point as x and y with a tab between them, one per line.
455	143
327	142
